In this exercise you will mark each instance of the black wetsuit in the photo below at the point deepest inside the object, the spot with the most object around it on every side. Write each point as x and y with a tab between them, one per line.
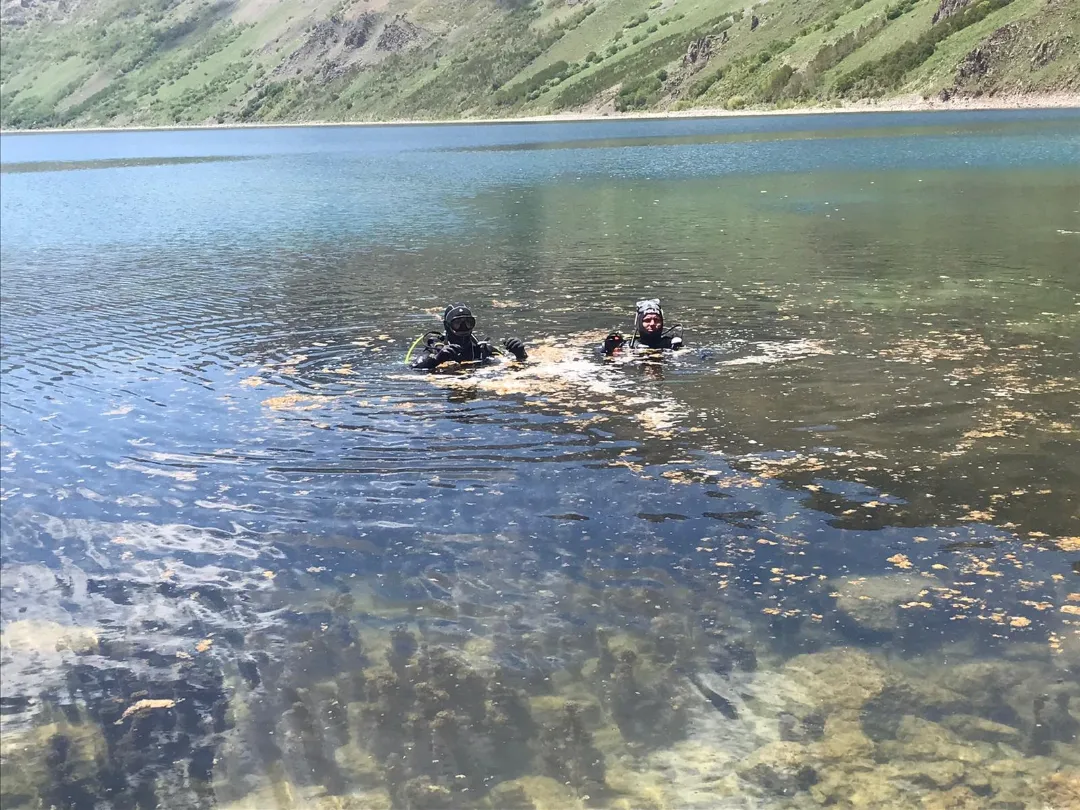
450	348
461	346
661	339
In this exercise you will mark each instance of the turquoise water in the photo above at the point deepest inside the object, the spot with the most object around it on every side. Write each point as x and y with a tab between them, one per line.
826	556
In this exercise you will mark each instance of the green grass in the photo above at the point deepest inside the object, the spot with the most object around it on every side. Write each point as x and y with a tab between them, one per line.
889	72
188	61
940	69
894	35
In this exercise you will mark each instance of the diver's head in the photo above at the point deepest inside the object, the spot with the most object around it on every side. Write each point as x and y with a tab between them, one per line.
650	317
459	322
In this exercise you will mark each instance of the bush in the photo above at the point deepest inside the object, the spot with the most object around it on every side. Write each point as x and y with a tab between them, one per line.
777	81
702	86
735	103
900	9
536	84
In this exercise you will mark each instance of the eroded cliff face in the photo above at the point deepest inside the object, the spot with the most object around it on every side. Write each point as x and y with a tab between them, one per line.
1021	56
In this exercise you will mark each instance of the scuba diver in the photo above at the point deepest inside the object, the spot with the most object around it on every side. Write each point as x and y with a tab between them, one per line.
458	344
649	330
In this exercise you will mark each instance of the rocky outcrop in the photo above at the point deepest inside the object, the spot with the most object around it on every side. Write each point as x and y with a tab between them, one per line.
949	7
978	62
334	46
699	51
991	67
1045	52
20	12
398	35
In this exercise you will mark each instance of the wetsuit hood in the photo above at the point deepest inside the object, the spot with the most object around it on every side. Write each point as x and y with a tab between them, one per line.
649	307
452	313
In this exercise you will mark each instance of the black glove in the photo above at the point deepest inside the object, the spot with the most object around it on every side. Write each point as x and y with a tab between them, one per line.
516	348
448	353
612	342
484	349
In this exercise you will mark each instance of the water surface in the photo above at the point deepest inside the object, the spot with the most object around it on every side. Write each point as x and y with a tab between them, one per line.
826	556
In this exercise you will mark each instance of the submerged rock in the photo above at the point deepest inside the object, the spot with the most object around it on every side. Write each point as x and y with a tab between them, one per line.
843	739
570	755
862	784
876	603
971	727
924	740
508	796
47	639
532	793
839	679
780	767
956	798
52	761
1061	791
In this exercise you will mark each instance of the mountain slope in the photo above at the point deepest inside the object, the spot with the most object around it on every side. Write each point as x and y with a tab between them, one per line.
125	62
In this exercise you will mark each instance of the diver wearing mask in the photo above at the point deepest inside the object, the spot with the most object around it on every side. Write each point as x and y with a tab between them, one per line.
458	344
649	330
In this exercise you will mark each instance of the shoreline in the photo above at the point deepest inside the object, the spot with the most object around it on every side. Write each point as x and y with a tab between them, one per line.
900	104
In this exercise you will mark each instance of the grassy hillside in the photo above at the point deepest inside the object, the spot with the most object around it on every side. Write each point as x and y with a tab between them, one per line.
123	62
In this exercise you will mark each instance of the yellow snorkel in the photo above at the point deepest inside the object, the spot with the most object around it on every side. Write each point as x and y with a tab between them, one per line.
415	343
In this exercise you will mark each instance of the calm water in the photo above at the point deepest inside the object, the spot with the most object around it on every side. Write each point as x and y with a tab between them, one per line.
830	555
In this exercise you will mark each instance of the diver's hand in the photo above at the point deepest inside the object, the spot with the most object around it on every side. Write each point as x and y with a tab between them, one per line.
484	349
676	343
613	342
516	348
448	353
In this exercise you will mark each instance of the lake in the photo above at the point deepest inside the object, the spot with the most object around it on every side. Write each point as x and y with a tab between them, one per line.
827	555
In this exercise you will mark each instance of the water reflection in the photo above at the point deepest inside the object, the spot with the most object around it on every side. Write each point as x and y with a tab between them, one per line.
825	556
110	163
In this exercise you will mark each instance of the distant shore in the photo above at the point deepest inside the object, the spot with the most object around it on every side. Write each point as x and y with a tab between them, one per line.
897	104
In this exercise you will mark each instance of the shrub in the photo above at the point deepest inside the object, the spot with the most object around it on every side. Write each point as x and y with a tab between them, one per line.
702	86
777	81
735	103
523	90
900	9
